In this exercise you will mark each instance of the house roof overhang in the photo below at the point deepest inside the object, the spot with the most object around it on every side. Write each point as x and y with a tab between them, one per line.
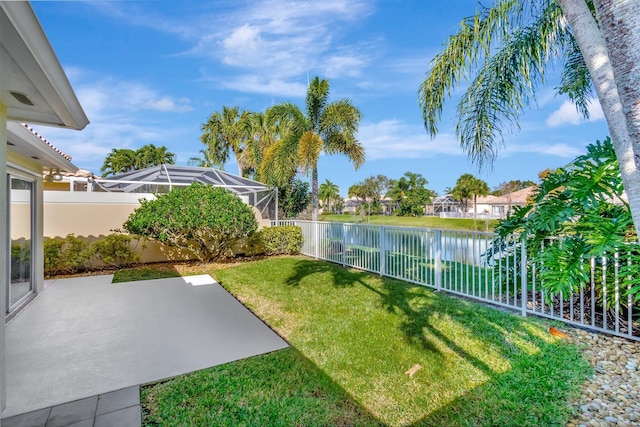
33	85
25	142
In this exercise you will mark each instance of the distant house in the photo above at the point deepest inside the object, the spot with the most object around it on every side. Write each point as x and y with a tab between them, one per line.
444	206
501	206
352	204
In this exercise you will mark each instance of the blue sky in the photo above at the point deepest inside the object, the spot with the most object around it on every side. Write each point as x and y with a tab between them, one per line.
151	72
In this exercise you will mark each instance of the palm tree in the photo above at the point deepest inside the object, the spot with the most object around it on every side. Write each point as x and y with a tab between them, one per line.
149	155
225	132
327	192
469	187
119	160
510	45
204	161
262	135
326	127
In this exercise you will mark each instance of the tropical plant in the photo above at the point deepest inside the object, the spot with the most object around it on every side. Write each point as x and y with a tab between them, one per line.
578	213
409	194
205	160
509	47
202	219
227	131
115	250
149	155
327	193
285	240
328	127
262	135
66	255
121	160
293	198
468	187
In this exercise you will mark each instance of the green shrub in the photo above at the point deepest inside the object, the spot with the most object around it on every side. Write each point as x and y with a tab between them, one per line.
202	219
281	240
115	251
52	250
66	256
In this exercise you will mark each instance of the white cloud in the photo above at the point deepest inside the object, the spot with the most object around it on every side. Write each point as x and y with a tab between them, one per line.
251	83
568	115
556	150
119	118
395	139
271	41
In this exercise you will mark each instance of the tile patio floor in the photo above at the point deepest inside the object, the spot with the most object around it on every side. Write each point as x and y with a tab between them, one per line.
86	337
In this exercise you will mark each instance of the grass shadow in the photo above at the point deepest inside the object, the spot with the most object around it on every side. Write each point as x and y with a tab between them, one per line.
340	277
279	388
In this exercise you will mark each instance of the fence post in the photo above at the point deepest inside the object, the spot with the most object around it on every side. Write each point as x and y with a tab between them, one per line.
316	238
437	238
523	275
344	244
383	255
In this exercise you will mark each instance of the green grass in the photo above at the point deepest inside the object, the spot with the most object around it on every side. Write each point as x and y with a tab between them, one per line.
422	221
134	274
278	389
355	334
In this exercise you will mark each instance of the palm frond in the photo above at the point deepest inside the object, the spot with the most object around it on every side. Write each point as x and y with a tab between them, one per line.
317	97
462	52
280	162
287	118
575	80
309	150
505	85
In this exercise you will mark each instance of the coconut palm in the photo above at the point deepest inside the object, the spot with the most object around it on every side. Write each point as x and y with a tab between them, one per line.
121	160
205	160
326	127
118	160
262	135
469	187
327	192
149	155
225	132
509	47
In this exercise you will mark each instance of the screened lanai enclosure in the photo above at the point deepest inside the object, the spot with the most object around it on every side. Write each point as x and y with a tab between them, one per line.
163	178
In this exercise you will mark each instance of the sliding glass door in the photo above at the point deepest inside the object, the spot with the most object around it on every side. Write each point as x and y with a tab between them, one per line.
21	228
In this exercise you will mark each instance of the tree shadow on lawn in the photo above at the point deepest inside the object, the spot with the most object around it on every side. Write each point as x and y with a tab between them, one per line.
526	384
532	389
279	388
341	277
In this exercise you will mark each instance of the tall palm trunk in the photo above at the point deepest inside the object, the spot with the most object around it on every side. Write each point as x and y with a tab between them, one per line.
611	49
314	193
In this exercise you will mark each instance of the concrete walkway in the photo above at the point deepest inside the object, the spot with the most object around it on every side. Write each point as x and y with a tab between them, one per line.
85	337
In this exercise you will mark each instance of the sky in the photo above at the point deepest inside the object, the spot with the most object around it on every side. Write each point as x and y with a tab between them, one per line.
152	72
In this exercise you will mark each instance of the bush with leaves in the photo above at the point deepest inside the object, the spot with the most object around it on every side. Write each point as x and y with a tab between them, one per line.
280	240
115	250
293	198
578	213
202	219
66	256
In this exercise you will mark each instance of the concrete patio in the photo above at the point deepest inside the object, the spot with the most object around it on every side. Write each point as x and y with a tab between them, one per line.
84	337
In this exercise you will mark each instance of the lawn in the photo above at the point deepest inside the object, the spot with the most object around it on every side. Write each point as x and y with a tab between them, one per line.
420	221
354	335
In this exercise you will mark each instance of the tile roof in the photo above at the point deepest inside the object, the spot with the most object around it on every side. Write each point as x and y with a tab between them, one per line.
517	197
50	145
